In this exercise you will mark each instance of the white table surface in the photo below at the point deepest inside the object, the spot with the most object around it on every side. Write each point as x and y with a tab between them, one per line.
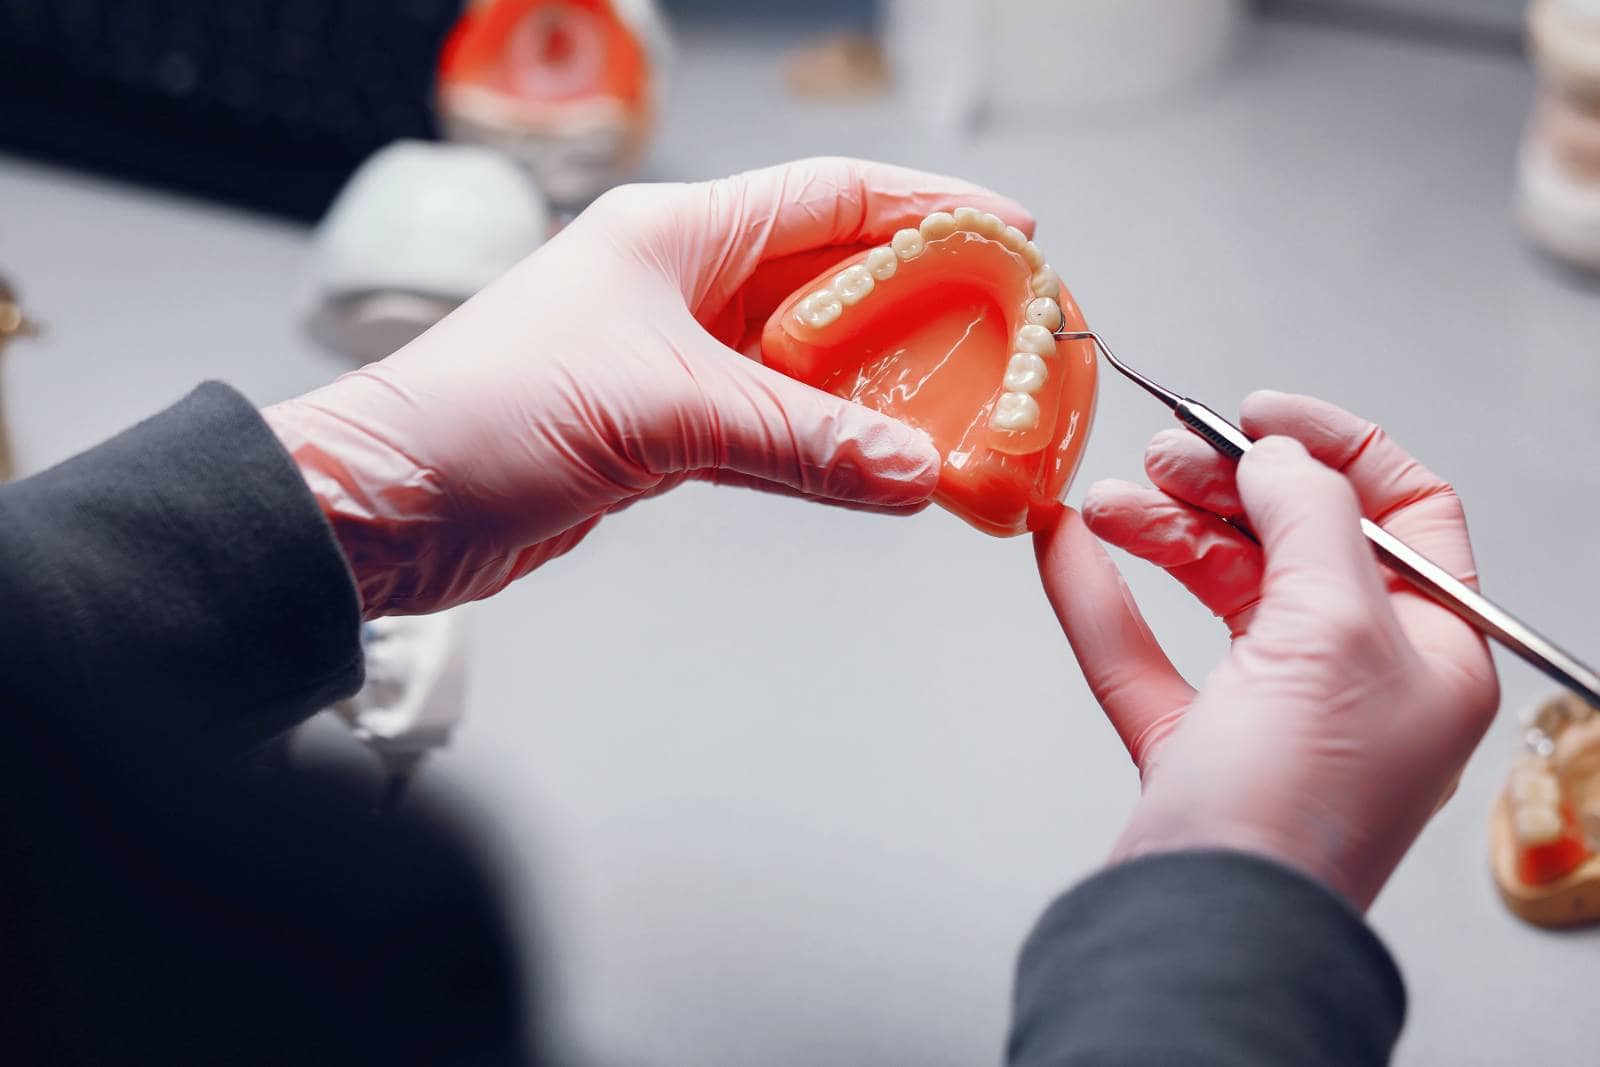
793	783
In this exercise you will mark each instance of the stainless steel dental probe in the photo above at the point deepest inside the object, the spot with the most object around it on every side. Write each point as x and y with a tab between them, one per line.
1429	579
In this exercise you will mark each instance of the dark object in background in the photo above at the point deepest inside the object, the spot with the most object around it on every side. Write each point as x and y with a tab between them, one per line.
265	103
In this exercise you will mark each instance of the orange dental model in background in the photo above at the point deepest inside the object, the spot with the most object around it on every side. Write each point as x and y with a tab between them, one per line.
569	87
1545	832
951	328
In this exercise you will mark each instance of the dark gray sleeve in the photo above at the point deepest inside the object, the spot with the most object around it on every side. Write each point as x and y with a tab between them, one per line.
1204	958
176	586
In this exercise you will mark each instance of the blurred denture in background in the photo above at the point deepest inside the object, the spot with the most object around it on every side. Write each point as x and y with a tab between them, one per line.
570	88
1559	169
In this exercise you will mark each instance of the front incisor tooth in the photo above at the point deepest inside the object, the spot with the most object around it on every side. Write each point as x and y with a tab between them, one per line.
881	263
908	243
821	308
1013	238
1015	412
1536	824
853	285
1046	282
990	226
1042	311
1026	373
1036	339
937	225
1032	256
967	218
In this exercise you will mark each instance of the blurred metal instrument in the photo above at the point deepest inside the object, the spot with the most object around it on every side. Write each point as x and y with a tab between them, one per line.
1427	577
12	324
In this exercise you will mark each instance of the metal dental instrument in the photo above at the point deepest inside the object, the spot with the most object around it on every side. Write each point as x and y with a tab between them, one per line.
1430	579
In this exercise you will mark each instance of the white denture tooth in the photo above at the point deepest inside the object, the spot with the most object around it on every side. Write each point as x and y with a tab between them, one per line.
990	226
821	308
1013	238
967	218
1016	412
1036	339
937	225
1046	282
1032	256
1042	311
1535	786
853	285
881	263
908	243
1536	824
1026	373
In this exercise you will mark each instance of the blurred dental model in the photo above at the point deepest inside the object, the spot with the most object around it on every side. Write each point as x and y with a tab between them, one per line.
1559	167
570	88
418	229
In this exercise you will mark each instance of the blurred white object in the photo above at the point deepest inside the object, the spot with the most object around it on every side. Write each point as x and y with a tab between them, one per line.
415	692
955	60
418	229
1558	173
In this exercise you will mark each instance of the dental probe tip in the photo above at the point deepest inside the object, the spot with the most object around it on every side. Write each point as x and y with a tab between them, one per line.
1166	396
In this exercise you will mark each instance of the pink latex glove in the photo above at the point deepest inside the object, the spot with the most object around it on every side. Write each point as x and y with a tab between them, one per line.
1347	703
608	366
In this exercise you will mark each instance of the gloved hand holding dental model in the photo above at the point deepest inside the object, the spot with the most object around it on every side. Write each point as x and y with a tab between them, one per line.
605	367
1345	708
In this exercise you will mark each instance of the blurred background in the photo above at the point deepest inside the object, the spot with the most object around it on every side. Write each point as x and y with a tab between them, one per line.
763	824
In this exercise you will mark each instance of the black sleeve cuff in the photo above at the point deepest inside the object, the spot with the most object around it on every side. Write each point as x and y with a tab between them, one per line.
1204	958
176	586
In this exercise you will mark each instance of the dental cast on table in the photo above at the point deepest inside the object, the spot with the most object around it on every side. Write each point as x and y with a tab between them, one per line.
195	586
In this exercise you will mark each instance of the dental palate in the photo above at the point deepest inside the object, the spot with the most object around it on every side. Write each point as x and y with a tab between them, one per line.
1034	344
1547	824
951	326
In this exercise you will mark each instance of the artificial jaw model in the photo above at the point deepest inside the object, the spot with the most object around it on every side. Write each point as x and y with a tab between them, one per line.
570	88
951	328
1545	832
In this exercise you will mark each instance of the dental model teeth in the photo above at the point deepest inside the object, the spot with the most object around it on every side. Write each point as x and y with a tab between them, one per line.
1026	373
881	263
1033	257
967	218
938	225
822	308
1036	339
908	244
1015	412
1043	311
1536	824
1013	239
1046	282
853	285
990	226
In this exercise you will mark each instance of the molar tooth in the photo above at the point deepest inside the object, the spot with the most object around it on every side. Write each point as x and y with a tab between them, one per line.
1026	373
1042	311
1036	339
853	285
990	225
1536	824
967	218
821	308
908	243
937	225
1046	282
1013	238
1032	256
881	263
1015	411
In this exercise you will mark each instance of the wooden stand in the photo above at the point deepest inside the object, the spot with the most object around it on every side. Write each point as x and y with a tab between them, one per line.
1570	901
